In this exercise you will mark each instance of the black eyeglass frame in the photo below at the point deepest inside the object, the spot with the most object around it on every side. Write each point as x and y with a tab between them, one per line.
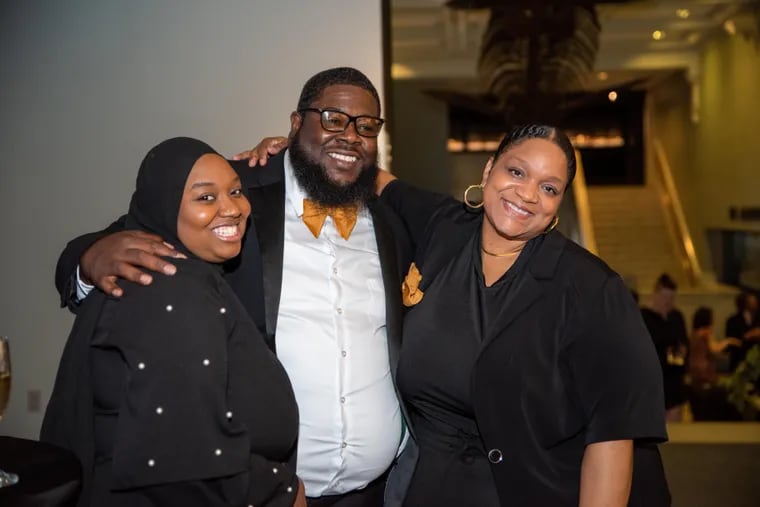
351	119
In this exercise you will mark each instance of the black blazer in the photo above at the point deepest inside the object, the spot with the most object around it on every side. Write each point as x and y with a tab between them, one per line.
567	362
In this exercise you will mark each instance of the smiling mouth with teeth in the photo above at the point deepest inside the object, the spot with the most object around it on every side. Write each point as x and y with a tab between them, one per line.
343	158
518	210
227	232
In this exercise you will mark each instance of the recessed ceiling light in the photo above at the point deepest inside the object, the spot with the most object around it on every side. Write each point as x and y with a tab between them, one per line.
729	26
602	76
683	13
612	96
658	35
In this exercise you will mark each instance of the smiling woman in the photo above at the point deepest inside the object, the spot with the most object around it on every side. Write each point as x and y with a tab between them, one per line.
526	368
159	392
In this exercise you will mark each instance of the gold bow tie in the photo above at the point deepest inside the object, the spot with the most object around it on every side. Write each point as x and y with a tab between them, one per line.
314	215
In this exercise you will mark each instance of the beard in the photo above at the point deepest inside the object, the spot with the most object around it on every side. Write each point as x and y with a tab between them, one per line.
312	177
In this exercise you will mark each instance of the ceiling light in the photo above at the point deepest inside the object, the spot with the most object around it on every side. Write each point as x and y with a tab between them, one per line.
658	35
683	13
729	26
693	38
612	96
602	76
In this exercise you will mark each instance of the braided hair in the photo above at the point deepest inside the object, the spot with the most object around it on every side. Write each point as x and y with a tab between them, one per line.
520	133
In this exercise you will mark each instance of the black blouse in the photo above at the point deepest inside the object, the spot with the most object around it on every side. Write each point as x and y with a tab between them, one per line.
188	404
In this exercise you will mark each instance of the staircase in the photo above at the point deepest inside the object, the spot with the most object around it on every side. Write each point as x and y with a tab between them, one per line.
632	235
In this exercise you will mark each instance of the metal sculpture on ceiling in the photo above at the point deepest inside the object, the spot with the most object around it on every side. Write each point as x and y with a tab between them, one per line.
535	52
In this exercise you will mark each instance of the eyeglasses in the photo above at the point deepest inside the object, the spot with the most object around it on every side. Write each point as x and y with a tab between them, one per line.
338	121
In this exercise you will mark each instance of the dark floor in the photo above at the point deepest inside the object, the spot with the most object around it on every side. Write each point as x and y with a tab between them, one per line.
713	474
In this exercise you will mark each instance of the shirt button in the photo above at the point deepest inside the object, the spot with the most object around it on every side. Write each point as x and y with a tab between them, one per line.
141	366
344	445
343	353
159	410
229	415
222	310
340	311
151	462
206	362
335	271
274	470
218	452
169	308
342	399
495	456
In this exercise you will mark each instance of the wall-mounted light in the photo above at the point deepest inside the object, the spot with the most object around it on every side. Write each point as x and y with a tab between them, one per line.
602	76
658	35
683	13
729	26
612	96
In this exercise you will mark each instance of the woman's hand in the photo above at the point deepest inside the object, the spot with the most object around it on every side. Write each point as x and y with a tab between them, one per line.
121	255
260	153
300	500
606	474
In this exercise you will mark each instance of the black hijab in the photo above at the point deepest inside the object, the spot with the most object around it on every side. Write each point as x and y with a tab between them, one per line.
160	185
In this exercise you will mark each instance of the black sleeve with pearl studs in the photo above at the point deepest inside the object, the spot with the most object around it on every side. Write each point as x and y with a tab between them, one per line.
185	429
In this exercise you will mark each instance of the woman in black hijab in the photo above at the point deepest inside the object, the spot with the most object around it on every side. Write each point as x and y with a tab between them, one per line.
169	395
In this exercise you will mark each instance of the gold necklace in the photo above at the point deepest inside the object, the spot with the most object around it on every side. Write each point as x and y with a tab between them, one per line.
508	254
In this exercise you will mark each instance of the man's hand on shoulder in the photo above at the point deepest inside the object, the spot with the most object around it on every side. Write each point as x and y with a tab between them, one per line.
260	153
123	255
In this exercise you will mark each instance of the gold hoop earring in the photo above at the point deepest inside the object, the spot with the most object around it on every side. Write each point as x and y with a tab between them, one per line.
552	225
467	200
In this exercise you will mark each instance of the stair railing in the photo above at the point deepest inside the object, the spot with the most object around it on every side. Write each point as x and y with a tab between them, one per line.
583	207
677	218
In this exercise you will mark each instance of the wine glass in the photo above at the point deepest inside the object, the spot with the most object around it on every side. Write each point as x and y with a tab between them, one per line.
6	479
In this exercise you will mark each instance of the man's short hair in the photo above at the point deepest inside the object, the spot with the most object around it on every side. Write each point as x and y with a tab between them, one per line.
665	281
335	76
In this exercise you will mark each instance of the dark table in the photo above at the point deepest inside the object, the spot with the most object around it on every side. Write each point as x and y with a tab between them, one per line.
48	475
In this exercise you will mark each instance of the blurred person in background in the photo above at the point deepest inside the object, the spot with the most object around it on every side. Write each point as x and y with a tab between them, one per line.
707	399
744	326
667	328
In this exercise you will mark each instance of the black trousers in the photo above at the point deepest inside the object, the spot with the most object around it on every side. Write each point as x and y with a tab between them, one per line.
370	496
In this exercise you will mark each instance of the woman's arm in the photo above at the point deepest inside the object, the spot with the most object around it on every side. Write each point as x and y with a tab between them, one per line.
606	474
719	346
105	257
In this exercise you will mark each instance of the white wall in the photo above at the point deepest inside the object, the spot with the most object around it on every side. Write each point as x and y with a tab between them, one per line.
88	86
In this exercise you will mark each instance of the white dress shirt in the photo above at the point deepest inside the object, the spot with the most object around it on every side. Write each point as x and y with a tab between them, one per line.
331	339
